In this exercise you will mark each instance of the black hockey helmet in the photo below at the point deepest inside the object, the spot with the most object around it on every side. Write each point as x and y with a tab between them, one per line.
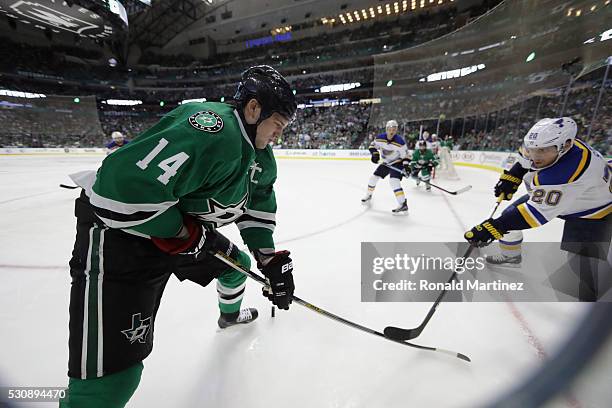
270	89
422	144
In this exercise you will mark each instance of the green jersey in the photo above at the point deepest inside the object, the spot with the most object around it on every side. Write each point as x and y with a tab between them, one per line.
198	160
424	158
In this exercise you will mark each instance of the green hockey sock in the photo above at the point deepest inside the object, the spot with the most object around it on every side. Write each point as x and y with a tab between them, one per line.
110	391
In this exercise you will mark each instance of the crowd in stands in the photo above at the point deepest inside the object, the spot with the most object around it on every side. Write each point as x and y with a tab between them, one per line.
340	126
337	127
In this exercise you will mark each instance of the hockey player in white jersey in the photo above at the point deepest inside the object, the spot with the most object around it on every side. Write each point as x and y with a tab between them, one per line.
565	178
434	144
393	150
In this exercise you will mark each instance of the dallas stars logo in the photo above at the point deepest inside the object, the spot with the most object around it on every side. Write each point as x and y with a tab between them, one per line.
139	330
219	214
207	121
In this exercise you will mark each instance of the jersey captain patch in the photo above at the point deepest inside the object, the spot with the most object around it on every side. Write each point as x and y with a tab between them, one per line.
207	121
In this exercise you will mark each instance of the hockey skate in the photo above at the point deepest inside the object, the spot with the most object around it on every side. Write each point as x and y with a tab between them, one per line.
402	209
503	260
245	316
366	199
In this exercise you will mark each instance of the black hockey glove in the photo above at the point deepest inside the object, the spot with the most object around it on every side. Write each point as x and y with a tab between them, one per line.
375	155
507	185
278	270
406	165
485	233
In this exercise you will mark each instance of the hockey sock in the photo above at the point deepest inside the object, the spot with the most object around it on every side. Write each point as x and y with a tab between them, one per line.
230	286
372	184
110	391
397	190
510	244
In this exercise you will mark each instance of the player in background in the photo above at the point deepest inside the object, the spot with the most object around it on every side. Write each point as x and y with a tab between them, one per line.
153	210
565	178
118	141
392	148
423	163
447	142
434	144
425	136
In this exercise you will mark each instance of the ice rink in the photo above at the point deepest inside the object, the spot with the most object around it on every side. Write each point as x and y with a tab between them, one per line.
298	358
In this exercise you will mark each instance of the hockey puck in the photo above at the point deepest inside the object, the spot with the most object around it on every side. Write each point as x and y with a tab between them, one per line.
273	313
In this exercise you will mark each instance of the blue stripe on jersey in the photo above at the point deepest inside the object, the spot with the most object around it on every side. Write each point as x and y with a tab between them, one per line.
396	139
569	167
587	212
399	189
541	219
399	140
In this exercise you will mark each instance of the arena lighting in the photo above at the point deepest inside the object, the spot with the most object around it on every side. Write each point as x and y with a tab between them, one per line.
223	99
454	73
338	87
530	57
192	100
122	102
19	94
390	82
76	100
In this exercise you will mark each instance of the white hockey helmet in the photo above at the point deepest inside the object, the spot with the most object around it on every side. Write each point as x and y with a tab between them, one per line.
551	132
434	136
391	124
116	135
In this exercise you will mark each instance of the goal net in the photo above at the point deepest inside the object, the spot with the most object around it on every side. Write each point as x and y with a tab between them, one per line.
446	168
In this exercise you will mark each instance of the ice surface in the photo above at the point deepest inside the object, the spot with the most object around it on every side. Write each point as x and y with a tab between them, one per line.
297	359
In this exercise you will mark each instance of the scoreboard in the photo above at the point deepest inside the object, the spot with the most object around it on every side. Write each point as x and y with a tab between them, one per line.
97	19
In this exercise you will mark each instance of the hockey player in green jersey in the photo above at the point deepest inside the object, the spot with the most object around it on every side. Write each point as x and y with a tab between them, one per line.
422	164
447	142
152	210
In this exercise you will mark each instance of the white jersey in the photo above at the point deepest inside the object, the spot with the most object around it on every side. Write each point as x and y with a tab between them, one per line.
434	146
577	186
391	151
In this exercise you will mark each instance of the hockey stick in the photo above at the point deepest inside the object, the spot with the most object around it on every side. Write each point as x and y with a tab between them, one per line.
397	333
231	263
456	192
69	187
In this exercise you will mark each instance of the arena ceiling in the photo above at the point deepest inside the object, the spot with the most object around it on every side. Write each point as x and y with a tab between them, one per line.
225	19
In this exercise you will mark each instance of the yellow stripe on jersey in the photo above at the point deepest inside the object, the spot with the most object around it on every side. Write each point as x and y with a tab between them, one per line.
399	193
583	160
531	220
601	213
536	181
